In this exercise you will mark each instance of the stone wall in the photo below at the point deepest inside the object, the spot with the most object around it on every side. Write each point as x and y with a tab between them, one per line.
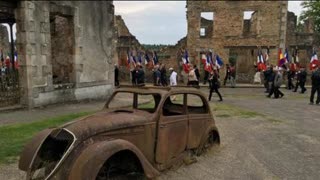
92	53
269	22
4	40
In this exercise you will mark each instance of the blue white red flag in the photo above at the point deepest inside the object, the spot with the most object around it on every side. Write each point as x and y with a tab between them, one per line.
208	64
185	61
314	60
286	55
155	58
219	61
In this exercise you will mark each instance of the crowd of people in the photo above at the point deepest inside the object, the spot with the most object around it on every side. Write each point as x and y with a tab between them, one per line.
295	78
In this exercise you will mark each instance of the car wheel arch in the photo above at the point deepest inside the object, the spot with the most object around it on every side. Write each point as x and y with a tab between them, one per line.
91	159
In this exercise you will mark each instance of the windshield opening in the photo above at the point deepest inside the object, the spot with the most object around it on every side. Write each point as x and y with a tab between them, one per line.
131	101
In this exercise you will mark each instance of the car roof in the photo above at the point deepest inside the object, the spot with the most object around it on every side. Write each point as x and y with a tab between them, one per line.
158	89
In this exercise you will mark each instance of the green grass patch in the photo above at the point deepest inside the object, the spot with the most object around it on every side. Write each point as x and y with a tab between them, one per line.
13	137
226	110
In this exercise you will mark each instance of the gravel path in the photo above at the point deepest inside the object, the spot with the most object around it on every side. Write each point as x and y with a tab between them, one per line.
282	144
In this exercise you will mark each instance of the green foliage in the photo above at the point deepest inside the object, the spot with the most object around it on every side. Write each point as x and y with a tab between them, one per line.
13	137
312	10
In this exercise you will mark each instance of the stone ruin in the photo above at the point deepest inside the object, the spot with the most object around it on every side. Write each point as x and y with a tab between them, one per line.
65	49
4	40
229	33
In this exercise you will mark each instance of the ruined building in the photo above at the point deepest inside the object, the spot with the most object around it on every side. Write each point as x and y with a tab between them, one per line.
65	49
4	39
235	29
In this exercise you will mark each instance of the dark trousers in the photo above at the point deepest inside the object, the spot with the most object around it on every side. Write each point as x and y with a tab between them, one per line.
271	90
206	77
116	82
225	79
133	77
266	85
301	84
277	92
315	89
290	84
214	89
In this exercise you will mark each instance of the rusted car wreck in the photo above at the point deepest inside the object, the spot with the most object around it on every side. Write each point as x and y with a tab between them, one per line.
140	132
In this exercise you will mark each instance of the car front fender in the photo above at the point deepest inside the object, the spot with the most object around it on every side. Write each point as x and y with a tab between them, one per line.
31	148
91	159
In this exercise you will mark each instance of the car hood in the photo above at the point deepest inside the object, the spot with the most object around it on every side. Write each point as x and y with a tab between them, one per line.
103	121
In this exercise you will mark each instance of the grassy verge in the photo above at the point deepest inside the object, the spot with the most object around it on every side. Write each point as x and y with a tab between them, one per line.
225	110
13	137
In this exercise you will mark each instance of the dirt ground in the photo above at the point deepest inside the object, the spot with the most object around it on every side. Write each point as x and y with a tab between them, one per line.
269	139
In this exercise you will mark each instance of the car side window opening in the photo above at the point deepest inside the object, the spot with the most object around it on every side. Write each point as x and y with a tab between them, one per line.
121	100
173	105
148	102
196	105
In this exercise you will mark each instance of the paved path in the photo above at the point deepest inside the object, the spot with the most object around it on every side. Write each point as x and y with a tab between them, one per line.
282	143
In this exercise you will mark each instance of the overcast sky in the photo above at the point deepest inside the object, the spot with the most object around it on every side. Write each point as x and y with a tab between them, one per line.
162	22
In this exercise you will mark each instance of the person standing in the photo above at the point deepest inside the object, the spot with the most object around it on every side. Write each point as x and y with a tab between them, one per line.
139	75
173	80
290	78
163	75
315	81
196	71
271	83
277	84
303	79
192	77
227	74
116	75
214	85
157	76
233	76
173	77
266	75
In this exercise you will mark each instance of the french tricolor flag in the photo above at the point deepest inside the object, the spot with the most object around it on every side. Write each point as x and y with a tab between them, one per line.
219	61
314	60
185	61
207	66
203	58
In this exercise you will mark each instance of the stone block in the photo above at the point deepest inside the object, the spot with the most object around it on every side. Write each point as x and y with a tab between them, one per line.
34	71
30	15
31	49
31	5
31	37
44	27
43	59
31	26
44	49
34	60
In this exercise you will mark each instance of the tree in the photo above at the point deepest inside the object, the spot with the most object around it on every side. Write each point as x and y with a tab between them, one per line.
312	11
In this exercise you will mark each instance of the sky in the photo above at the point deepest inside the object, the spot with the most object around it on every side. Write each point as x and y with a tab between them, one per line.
162	22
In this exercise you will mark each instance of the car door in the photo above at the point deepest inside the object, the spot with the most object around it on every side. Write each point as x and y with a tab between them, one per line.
172	128
199	119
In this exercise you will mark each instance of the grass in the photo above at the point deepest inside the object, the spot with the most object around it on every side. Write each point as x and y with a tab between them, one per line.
13	137
225	111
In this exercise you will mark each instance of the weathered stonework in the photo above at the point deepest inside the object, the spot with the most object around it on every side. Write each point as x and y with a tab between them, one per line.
232	34
87	43
4	40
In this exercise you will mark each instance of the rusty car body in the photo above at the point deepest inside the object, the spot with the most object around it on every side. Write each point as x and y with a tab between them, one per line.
144	136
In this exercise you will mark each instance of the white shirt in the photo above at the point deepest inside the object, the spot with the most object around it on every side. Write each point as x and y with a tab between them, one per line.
173	79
